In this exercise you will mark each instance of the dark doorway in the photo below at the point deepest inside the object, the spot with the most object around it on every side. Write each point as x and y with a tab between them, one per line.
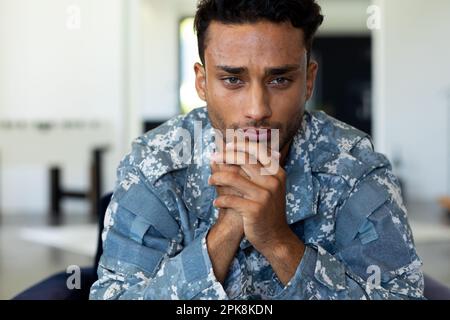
344	83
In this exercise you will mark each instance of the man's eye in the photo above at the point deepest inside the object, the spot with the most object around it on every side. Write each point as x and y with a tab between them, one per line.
232	80
280	81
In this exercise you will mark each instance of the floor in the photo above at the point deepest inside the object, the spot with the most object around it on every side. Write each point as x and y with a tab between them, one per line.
25	261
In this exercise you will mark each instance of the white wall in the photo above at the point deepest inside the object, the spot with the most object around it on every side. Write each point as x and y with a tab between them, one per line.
52	73
412	89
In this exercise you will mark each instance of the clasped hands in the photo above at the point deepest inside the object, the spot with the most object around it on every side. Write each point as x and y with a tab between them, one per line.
251	201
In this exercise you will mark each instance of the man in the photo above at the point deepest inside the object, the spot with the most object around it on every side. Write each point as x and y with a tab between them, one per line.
327	223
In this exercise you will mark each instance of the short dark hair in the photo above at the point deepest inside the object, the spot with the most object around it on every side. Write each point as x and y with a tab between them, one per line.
303	14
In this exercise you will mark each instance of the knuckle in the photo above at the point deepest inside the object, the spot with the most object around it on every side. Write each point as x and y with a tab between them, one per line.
274	183
221	201
232	175
222	176
257	207
265	196
226	198
233	168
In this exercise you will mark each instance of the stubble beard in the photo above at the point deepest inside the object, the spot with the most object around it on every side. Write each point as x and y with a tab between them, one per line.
286	132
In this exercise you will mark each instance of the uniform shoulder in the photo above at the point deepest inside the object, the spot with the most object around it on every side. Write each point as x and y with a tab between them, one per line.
155	152
338	135
340	149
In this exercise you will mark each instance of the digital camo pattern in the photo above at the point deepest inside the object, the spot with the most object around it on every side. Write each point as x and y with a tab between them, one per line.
342	201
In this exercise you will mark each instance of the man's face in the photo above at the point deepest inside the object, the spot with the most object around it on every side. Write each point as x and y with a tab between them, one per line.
256	76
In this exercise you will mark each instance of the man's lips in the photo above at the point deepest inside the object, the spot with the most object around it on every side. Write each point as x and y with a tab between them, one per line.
258	134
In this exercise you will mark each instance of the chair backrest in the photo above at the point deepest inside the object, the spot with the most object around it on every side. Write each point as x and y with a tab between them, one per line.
435	290
104	202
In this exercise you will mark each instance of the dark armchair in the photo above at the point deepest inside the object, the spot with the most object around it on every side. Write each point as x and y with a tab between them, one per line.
55	288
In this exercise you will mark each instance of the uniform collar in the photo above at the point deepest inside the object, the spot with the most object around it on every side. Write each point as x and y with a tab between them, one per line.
198	194
301	188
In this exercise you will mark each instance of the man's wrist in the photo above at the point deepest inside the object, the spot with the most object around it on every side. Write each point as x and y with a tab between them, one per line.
222	241
288	246
225	232
285	256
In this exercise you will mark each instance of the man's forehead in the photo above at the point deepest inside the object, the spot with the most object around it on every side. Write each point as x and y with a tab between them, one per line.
273	44
256	31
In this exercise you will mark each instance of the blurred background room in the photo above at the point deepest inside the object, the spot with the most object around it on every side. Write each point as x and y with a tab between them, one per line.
80	79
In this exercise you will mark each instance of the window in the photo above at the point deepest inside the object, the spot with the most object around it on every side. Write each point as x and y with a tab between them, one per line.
189	99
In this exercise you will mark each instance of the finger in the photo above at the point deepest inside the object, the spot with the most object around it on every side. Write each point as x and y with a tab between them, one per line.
257	150
225	191
234	157
270	163
237	182
257	173
214	166
237	204
227	168
217	157
218	168
250	168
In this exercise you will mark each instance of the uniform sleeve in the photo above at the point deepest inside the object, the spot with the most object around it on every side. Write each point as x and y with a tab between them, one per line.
374	256
145	255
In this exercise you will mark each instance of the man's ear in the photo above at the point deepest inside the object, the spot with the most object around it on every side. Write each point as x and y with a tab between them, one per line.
200	80
313	66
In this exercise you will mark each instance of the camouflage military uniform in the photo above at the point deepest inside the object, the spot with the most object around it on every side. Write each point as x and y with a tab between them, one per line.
342	201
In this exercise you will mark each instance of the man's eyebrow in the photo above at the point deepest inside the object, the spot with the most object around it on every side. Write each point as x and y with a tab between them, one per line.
273	71
276	71
232	70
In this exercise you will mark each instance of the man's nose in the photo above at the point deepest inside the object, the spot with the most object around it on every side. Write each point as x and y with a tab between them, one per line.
258	107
